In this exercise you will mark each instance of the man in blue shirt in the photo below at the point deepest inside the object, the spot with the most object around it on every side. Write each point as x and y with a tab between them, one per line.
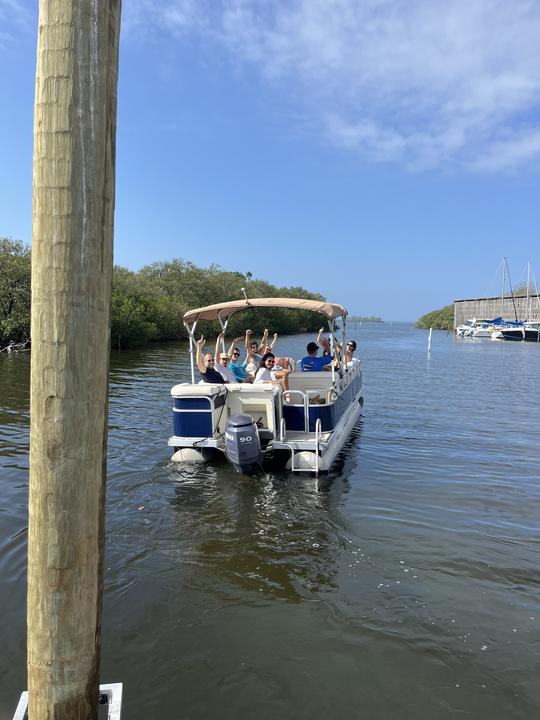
311	362
237	367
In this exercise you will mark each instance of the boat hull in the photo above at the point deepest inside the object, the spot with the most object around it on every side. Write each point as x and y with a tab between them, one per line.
521	334
309	427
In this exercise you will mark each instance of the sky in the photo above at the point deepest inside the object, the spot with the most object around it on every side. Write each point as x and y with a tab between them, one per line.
385	153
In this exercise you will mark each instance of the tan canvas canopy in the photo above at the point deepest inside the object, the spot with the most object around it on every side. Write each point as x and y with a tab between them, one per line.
222	311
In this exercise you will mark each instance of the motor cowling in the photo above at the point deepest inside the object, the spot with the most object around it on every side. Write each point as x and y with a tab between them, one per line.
242	444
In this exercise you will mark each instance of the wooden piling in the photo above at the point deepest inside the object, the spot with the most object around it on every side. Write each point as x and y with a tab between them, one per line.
73	208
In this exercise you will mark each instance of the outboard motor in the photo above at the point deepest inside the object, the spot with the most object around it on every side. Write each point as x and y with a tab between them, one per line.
242	444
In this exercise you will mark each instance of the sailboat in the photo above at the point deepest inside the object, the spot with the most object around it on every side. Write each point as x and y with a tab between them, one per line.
497	333
528	331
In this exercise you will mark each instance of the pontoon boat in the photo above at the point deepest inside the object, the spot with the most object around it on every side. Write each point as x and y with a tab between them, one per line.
303	428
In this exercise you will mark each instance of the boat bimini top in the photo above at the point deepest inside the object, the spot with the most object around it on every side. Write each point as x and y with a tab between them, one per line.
223	311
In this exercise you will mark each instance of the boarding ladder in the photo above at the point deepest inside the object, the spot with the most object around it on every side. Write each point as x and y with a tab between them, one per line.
318	430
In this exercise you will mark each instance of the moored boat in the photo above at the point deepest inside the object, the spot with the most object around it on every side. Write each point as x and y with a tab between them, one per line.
302	428
475	328
527	331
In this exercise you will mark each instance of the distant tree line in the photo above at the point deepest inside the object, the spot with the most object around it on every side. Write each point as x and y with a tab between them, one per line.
364	318
442	319
148	305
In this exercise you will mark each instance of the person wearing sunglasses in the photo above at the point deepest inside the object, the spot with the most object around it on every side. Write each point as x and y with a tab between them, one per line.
223	368
222	361
282	363
349	350
205	363
252	346
253	354
237	366
267	374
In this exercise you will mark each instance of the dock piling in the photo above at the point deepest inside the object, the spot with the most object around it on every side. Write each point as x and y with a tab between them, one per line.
73	209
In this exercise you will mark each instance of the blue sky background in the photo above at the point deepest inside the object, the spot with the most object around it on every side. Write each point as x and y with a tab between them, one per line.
385	153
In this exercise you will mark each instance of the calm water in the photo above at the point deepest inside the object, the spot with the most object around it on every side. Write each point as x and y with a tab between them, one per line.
406	584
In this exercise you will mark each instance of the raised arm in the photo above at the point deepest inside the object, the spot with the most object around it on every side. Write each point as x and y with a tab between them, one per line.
274	340
325	344
264	340
334	360
320	337
234	344
247	340
219	347
338	352
198	356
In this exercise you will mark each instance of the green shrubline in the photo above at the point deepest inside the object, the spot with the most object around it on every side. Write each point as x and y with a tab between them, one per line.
442	319
15	272
148	305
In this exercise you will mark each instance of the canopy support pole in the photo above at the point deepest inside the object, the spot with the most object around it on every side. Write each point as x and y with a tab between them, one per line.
191	333
332	347
224	330
344	345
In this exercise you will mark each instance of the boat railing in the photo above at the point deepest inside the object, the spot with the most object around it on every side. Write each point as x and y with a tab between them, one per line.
318	433
282	430
287	395
305	397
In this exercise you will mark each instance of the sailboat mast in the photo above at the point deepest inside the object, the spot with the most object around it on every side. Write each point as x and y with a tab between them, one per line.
511	291
527	309
502	289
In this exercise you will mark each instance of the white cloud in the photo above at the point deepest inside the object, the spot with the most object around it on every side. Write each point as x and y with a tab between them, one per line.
14	17
424	82
141	16
510	152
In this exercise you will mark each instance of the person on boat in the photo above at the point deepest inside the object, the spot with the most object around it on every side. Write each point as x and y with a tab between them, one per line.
223	369
349	350
222	361
253	354
349	353
252	346
205	363
282	363
267	374
311	362
236	366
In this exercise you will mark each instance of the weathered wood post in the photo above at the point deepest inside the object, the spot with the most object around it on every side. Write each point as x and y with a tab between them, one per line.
73	208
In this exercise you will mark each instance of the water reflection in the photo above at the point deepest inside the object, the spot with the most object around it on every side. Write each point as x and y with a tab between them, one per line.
404	583
14	397
259	538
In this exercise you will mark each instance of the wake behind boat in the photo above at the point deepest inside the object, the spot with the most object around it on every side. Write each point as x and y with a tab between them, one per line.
302	428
